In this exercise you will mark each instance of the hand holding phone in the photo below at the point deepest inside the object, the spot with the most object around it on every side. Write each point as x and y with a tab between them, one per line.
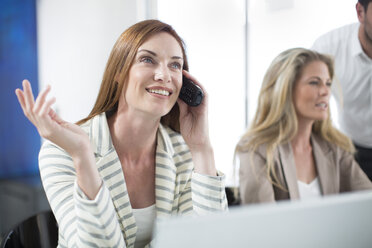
191	93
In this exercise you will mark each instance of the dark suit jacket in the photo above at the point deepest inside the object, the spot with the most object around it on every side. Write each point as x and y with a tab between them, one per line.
337	172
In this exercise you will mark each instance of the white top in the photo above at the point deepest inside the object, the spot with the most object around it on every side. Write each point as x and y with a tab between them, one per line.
353	68
145	218
310	190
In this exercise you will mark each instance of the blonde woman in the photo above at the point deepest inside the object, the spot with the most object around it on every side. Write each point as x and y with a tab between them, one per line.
291	150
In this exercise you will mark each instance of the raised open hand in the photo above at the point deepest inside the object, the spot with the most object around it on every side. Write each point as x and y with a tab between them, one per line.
68	136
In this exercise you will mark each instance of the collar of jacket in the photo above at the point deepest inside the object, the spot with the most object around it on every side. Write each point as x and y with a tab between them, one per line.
323	162
99	135
109	167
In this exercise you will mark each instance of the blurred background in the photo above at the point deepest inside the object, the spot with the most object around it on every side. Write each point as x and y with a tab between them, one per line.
230	44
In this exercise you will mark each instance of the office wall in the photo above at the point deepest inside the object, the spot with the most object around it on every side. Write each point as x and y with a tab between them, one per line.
75	38
277	25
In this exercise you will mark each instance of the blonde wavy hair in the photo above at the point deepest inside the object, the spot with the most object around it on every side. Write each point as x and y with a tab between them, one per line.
275	121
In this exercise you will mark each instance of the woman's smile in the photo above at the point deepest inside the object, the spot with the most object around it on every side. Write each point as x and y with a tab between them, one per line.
159	91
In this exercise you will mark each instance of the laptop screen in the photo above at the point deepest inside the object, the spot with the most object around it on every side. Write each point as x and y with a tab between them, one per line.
343	220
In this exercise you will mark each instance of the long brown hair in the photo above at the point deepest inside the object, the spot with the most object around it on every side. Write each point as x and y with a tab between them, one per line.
275	121
119	63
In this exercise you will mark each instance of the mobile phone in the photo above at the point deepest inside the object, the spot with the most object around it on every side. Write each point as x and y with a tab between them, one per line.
190	92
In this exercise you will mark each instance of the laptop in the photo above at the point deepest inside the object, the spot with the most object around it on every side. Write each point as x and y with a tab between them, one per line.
341	221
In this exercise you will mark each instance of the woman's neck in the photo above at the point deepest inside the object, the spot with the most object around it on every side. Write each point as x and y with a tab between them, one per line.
301	141
133	136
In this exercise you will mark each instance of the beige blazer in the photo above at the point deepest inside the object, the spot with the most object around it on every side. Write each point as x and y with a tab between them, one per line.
337	171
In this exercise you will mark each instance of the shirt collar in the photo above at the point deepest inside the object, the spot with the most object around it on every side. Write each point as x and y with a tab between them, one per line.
99	134
164	142
101	138
356	47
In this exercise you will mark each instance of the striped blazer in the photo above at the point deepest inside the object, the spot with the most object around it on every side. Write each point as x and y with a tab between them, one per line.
107	220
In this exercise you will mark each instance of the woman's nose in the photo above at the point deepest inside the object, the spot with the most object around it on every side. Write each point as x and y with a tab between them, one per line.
325	89
162	74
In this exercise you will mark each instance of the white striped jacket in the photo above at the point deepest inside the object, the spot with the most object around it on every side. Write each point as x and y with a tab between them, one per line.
108	221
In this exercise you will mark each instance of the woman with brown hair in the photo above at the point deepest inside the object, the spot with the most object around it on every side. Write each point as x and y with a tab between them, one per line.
291	150
141	153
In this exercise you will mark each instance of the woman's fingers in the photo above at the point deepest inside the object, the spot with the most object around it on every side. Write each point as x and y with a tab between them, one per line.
21	98
55	117
39	103
29	97
44	123
45	108
47	122
26	111
38	112
182	106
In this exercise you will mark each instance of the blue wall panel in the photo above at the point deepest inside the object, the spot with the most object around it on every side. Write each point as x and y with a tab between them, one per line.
19	140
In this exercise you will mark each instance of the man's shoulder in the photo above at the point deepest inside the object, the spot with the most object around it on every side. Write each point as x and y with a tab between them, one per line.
336	37
341	32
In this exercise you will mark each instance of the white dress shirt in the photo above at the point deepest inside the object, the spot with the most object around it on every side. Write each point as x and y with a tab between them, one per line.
353	69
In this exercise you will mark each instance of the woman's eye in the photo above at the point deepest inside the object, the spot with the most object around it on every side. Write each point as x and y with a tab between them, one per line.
176	65
147	60
314	82
329	84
